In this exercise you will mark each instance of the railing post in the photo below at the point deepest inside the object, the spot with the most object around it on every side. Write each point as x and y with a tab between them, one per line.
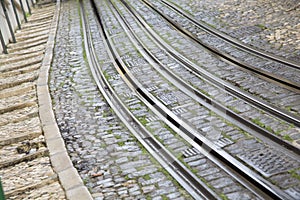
3	43
2	196
16	13
8	22
24	13
29	10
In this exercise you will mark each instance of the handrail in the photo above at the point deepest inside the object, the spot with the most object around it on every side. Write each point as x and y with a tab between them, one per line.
8	22
3	43
24	13
16	13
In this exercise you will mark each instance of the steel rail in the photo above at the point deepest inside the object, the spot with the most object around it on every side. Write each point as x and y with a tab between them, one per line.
191	139
265	186
232	40
266	75
190	182
278	112
207	101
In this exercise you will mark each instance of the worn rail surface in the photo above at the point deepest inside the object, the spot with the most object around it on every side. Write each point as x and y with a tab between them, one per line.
220	135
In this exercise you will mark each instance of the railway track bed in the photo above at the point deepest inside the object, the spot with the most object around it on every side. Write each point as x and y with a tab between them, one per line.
149	111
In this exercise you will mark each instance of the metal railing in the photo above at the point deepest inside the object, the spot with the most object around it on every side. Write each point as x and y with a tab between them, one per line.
13	6
2	196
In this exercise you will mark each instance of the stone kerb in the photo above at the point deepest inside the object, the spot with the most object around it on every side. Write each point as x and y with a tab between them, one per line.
62	165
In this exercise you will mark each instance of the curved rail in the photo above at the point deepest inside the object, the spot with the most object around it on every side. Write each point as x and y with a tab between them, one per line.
282	81
187	179
254	178
233	40
217	107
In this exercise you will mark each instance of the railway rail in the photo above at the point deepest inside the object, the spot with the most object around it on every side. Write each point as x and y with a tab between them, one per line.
252	81
147	106
189	181
232	40
151	104
181	72
273	68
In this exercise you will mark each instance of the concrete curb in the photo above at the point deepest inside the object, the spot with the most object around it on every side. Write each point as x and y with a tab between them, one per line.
60	160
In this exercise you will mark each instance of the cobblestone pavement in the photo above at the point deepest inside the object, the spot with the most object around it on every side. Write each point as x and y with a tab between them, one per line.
269	25
110	160
25	166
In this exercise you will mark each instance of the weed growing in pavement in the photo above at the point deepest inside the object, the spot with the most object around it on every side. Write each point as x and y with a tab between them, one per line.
143	120
262	125
147	177
223	196
288	138
295	173
118	137
261	26
121	143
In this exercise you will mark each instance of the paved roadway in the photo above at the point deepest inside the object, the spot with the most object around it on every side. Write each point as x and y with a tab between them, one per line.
28	130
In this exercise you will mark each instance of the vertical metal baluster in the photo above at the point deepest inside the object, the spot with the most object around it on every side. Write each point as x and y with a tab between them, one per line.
8	21
24	13
2	197
32	3
3	43
29	10
16	13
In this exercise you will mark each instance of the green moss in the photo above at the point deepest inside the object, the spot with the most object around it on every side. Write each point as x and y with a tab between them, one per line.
233	109
118	136
294	173
103	145
268	128
278	132
223	196
262	125
148	197
139	168
288	138
121	143
147	177
143	120
164	197
261	26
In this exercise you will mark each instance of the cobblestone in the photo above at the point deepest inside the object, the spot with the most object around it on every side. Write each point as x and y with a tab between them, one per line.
268	25
110	161
108	158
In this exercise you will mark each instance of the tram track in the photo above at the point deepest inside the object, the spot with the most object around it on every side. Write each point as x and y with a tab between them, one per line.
230	39
254	83
287	116
212	103
233	40
173	161
259	102
189	181
176	122
273	68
